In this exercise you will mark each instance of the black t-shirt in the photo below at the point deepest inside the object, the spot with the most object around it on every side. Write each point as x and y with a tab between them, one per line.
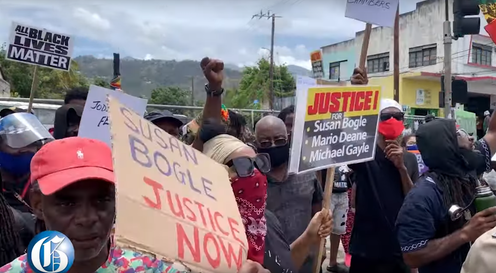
379	196
341	180
277	250
19	188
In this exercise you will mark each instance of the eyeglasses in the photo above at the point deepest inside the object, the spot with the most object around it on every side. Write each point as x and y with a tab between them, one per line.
270	143
397	115
245	166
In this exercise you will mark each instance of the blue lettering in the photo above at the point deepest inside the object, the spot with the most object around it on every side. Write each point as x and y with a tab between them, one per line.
179	177
134	142
127	114
146	132
158	155
175	143
161	141
190	154
206	188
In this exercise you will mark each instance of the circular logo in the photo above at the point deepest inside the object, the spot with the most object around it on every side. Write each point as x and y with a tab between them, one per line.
50	252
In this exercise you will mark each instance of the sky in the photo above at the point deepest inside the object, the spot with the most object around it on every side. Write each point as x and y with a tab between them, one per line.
190	29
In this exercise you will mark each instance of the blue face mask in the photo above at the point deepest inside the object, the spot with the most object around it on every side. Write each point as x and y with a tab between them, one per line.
412	147
16	165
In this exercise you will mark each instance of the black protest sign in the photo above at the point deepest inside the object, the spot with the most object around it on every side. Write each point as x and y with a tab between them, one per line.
38	46
339	126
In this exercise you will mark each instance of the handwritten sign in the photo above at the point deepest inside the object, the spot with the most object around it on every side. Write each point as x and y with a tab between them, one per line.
173	201
339	127
376	12
95	121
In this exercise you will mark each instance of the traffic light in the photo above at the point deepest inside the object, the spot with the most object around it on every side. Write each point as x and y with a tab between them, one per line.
465	25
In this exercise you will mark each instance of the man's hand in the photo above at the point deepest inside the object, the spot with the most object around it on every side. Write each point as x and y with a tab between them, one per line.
252	267
214	72
394	153
359	76
320	226
479	224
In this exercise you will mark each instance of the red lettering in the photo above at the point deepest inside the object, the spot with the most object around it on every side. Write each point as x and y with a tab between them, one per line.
353	101
229	253
182	238
213	262
334	107
191	215
367	100
346	101
376	99
210	248
217	215
233	224
359	97
200	208
314	109
156	187
179	212
212	220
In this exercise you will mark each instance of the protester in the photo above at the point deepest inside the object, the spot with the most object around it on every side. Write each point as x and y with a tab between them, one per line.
166	121
381	185
429	239
76	95
247	174
11	110
21	135
485	123
408	140
339	208
10	242
294	199
429	118
287	115
350	218
67	119
66	189
480	258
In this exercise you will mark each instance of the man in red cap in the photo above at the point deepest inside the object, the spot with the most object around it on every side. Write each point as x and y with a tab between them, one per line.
74	193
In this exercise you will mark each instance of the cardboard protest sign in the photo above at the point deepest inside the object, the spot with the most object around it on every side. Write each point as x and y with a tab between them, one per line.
95	120
172	201
38	46
317	65
381	13
339	125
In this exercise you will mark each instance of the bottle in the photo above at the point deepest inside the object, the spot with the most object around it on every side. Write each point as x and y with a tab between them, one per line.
484	199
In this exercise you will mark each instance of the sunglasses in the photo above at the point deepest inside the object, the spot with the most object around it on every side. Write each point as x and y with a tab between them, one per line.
245	166
270	143
397	116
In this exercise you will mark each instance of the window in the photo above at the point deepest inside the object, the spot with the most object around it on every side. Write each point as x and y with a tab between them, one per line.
378	63
422	56
334	70
481	54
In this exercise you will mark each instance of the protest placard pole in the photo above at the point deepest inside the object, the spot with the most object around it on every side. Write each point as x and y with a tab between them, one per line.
396	57
325	206
34	85
365	46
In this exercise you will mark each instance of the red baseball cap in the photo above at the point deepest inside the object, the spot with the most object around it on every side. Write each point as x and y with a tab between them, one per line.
63	162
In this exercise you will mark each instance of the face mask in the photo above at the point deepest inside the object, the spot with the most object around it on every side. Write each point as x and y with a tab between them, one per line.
412	147
16	165
474	160
251	194
278	155
391	128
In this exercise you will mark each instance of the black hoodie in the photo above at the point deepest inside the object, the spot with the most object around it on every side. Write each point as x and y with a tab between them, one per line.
69	113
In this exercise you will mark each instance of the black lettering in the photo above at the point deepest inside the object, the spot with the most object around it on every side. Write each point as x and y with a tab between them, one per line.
33	33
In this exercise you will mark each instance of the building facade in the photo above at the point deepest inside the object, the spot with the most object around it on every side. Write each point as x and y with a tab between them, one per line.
421	57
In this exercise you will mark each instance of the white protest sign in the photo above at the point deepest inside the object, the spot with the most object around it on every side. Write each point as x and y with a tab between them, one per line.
95	121
38	46
376	12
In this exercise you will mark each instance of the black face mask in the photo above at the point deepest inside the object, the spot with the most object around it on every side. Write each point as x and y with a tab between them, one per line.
278	155
474	160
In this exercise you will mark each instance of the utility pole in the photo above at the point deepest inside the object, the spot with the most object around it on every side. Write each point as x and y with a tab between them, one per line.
447	62
192	90
396	56
272	16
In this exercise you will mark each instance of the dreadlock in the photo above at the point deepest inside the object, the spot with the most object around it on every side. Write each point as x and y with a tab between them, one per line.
455	189
10	242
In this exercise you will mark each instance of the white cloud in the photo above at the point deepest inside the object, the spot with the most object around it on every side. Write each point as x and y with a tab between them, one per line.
190	29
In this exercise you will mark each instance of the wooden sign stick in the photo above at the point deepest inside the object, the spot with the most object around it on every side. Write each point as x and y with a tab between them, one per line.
330	172
325	206
34	86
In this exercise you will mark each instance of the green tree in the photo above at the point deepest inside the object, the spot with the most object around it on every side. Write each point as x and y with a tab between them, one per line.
51	83
101	82
255	86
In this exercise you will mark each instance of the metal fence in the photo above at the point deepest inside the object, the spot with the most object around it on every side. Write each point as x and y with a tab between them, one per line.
251	115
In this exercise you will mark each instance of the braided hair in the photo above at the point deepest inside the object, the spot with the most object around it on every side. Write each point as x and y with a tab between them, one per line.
10	242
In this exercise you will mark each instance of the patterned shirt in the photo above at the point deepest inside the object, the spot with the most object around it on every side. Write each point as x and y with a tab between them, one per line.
120	260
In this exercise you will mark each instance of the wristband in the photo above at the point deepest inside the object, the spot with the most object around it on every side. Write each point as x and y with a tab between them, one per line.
213	93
